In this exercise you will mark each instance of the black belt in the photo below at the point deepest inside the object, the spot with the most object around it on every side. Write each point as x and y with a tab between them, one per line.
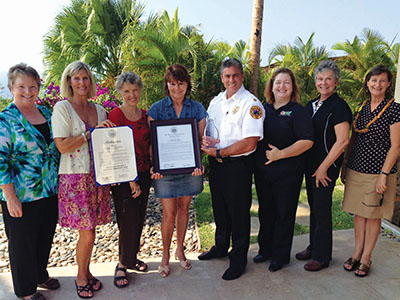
227	159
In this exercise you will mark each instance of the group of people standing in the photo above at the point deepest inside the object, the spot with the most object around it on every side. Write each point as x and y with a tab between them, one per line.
283	141
47	170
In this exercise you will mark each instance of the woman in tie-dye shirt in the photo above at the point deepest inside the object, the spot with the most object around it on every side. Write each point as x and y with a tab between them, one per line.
28	182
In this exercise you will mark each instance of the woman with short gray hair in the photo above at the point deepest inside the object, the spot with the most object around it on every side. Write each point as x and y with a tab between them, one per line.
130	198
327	65
331	118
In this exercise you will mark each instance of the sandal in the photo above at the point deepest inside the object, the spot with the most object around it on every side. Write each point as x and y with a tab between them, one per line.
184	264
363	268
140	266
93	282
35	296
352	262
118	278
84	288
50	284
163	271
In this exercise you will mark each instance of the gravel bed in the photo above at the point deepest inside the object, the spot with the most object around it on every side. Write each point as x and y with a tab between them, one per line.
106	244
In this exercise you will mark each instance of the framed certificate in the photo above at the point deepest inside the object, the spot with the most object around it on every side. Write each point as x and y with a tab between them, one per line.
175	146
114	156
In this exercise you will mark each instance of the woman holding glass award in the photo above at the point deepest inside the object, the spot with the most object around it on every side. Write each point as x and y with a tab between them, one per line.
176	191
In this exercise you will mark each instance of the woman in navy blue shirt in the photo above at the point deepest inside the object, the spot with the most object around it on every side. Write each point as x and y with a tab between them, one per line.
176	191
288	133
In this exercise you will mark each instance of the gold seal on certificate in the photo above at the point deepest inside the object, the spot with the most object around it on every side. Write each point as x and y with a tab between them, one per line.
176	148
113	155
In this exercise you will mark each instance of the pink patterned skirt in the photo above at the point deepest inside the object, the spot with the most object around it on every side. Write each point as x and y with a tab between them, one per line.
82	205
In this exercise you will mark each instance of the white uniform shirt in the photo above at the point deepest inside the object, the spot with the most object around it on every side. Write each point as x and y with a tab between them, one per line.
239	117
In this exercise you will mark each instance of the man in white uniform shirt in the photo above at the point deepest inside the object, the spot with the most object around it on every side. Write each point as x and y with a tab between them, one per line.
238	117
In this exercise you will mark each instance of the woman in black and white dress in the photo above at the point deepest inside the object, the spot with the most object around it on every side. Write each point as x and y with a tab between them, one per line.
370	173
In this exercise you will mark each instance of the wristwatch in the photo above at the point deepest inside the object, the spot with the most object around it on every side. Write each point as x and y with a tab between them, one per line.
218	157
384	173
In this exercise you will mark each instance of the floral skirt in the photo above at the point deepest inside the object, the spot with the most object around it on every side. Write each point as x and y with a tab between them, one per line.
82	205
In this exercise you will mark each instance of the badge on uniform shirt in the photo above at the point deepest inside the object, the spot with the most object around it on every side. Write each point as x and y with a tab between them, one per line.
235	109
256	112
286	113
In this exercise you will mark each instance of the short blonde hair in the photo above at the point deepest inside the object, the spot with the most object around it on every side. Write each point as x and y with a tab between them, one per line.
21	69
71	70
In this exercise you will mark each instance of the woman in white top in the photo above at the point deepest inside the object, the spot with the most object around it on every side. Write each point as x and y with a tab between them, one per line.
82	205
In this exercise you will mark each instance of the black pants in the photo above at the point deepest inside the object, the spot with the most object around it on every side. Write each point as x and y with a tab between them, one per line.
131	214
29	243
230	186
278	196
320	201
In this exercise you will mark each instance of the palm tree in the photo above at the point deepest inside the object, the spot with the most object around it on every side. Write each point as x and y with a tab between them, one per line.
397	88
90	30
150	48
63	43
255	44
301	58
363	53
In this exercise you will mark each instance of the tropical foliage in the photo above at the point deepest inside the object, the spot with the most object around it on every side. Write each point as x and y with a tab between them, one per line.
302	58
91	31
363	53
103	34
113	36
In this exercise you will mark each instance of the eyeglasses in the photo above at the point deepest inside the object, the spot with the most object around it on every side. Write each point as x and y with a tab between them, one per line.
375	205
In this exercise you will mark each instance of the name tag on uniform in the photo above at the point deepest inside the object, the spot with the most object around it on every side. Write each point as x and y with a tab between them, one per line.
285	113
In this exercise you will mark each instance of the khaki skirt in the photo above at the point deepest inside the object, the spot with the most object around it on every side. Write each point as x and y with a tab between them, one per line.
360	197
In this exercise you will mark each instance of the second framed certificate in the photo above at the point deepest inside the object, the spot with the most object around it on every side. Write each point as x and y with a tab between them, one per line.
176	148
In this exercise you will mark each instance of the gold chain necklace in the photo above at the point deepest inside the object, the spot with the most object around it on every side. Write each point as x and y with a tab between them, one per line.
364	130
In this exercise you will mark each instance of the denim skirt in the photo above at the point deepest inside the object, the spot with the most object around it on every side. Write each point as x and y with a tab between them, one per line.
172	186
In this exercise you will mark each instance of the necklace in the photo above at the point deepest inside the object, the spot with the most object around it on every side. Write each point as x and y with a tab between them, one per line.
131	115
364	130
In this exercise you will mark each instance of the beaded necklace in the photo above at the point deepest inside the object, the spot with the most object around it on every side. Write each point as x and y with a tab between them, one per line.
364	130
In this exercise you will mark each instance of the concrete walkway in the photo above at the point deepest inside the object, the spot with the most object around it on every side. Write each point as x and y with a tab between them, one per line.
204	281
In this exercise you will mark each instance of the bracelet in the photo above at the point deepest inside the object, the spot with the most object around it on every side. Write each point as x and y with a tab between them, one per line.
84	136
384	173
218	153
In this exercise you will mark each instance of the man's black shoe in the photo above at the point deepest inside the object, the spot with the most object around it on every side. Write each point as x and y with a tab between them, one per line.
232	273
213	253
274	266
259	258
